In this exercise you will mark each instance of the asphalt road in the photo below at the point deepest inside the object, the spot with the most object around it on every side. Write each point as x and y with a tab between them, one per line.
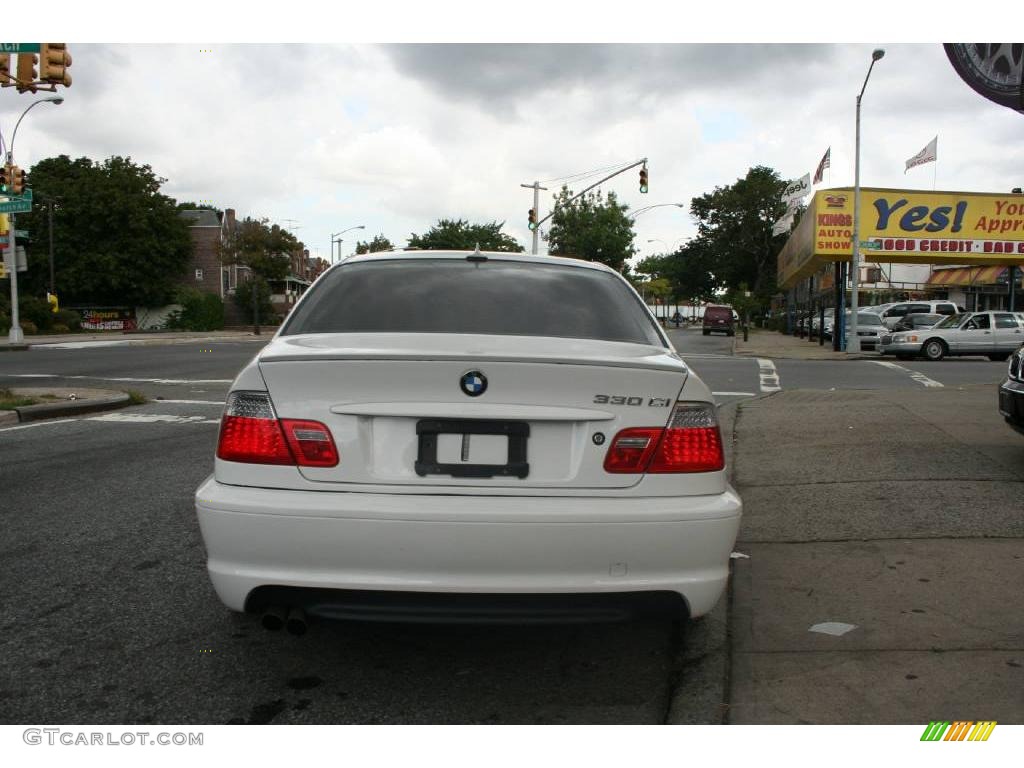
107	615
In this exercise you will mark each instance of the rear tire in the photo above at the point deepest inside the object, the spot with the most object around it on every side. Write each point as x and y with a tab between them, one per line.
935	349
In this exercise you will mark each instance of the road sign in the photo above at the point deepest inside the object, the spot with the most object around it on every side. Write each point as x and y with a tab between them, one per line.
16	206
21	233
20	47
871	245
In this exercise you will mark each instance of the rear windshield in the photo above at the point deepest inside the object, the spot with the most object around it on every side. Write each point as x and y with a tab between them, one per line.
425	295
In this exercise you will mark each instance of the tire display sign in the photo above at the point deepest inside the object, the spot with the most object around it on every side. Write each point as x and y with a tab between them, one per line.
108	319
994	70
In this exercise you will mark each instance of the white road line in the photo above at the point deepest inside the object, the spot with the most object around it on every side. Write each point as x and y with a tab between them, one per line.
735	394
39	424
101	378
151	418
920	378
769	376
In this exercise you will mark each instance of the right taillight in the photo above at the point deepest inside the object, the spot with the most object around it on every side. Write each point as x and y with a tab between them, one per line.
251	433
691	442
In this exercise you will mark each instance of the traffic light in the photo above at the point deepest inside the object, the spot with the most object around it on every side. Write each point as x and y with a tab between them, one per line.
533	219
6	179
5	69
54	65
643	180
18	180
27	72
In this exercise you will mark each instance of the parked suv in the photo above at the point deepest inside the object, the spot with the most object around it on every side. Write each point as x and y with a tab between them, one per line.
897	312
720	317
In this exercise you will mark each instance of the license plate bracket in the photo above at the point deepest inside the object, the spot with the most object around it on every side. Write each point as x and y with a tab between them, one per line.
429	429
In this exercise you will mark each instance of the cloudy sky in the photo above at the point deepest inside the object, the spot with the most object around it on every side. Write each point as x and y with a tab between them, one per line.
325	136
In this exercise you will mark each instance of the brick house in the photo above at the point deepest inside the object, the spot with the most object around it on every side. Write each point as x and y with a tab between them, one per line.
206	273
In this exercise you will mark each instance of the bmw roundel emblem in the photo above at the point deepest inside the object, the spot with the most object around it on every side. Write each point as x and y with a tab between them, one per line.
473	383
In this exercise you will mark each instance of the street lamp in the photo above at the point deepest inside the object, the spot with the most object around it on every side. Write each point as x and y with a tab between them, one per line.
647	208
853	344
10	149
339	241
668	248
16	335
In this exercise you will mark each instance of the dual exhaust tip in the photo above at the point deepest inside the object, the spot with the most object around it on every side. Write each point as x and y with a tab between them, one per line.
293	619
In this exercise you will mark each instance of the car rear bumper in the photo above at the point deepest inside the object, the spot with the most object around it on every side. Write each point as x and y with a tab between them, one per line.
260	541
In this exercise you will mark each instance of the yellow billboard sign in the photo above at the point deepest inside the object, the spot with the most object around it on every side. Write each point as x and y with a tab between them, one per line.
904	226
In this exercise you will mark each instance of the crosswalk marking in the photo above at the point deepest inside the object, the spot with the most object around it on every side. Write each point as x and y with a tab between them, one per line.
769	376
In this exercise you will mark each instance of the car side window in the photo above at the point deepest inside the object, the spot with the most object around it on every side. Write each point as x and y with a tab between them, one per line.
914	309
978	322
898	311
945	309
1006	321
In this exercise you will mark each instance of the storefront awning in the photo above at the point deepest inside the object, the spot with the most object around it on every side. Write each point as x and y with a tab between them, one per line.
988	275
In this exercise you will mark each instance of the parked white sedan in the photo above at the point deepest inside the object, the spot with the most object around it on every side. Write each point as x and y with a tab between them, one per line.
459	436
992	334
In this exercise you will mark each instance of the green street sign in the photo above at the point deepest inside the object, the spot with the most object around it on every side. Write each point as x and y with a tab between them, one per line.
21	233
16	206
20	47
871	245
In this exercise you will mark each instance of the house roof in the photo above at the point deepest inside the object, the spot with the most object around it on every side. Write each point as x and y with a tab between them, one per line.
201	218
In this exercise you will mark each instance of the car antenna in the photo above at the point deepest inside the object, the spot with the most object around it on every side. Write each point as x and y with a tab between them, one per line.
476	255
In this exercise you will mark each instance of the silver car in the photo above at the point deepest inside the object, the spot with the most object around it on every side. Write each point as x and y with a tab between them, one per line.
992	334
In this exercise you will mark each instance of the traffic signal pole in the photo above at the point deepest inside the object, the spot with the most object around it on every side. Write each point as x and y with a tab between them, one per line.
15	335
536	187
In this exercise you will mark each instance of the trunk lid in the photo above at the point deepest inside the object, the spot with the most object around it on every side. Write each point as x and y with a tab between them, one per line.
398	403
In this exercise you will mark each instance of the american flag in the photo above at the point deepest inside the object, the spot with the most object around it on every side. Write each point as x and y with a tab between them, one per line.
825	163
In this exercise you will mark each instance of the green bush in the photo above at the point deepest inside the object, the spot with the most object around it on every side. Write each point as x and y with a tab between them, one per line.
69	318
199	312
59	328
27	327
5	323
37	311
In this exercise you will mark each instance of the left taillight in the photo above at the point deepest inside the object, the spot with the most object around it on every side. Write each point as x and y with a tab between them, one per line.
691	442
251	433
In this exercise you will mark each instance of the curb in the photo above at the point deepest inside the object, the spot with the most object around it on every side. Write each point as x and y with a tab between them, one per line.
71	407
13	347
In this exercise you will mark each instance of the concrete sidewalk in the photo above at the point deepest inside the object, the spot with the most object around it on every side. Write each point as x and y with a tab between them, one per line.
898	514
155	337
780	346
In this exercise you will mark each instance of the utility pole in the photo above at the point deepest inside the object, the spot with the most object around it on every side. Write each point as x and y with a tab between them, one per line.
536	187
53	285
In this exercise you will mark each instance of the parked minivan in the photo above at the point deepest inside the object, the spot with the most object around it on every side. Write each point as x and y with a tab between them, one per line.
719	317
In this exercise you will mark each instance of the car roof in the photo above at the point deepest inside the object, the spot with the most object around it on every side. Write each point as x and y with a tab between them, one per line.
412	255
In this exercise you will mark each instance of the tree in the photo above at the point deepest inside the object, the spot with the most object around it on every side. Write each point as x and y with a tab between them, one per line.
116	239
264	250
378	244
459	235
592	227
734	226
